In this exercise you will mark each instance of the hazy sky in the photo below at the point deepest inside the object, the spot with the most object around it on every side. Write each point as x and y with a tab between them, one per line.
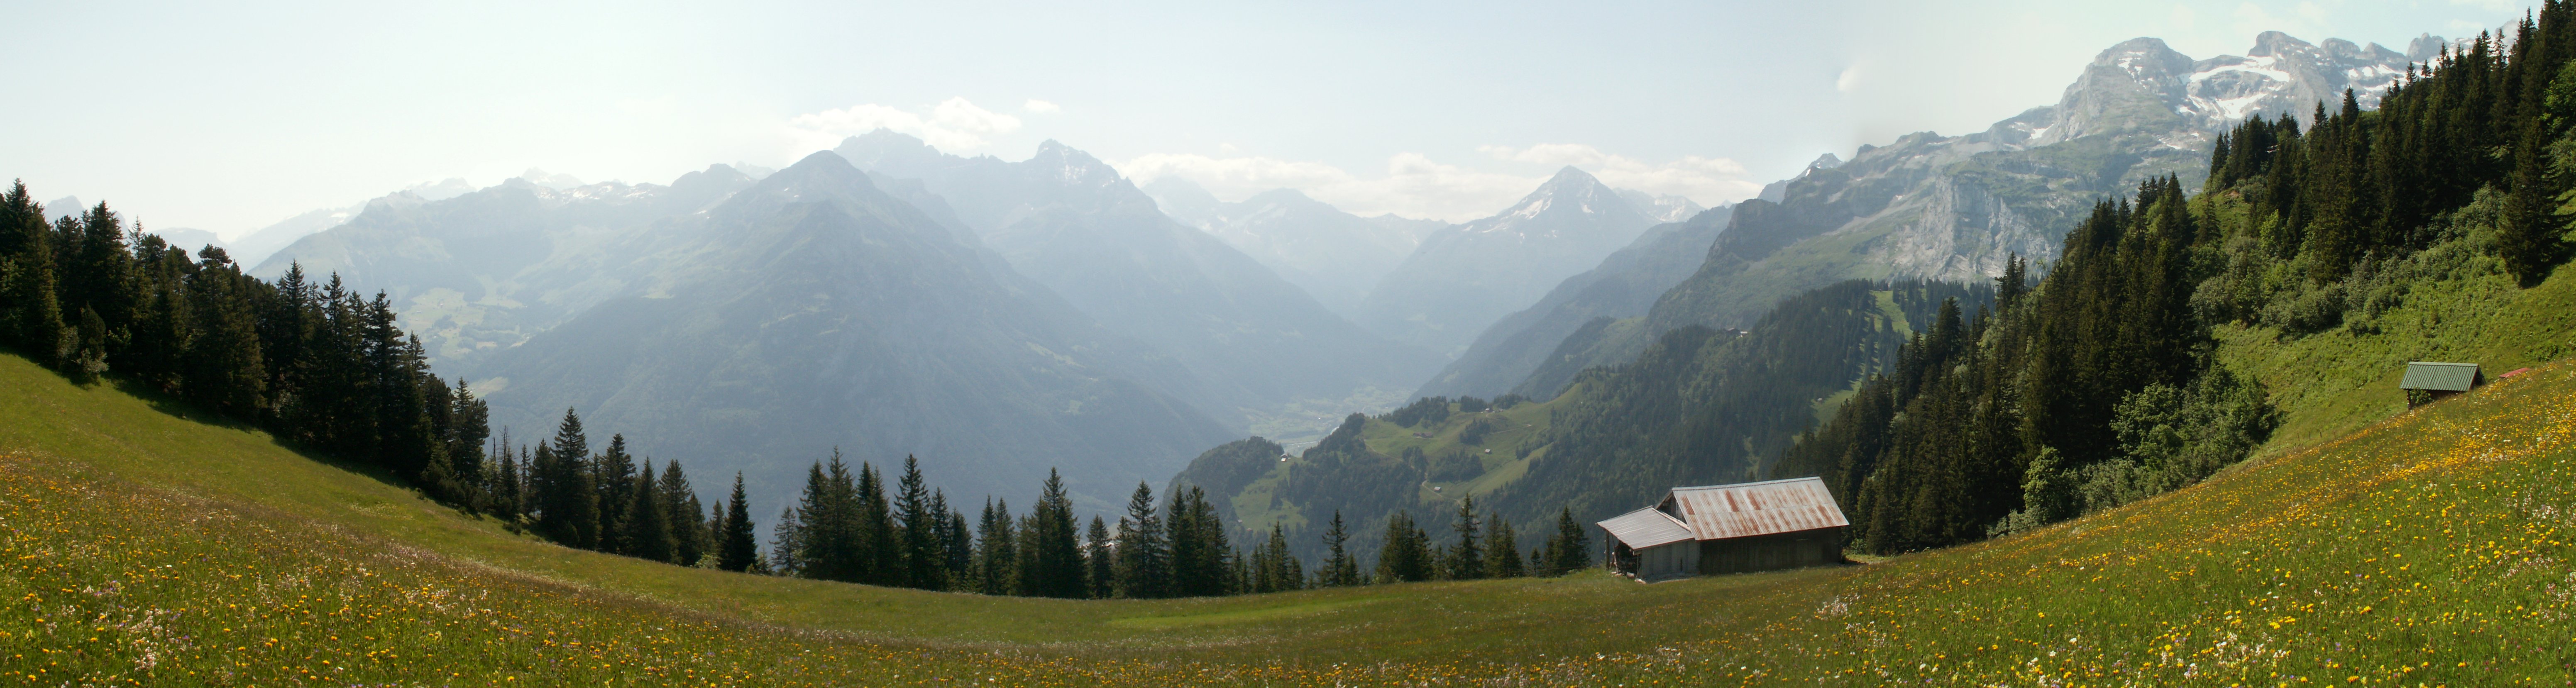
227	119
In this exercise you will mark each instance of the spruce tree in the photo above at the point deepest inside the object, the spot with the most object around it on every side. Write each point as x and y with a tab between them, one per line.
1339	568
1100	560
1466	559
613	473
1570	548
1405	556
647	527
1050	553
996	550
690	537
740	545
579	524
787	544
1144	553
1502	549
925	560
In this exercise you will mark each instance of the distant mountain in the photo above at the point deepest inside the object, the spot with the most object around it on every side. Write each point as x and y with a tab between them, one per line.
1662	207
256	247
1072	223
1465	277
1955	208
1335	256
480	272
1624	285
814	310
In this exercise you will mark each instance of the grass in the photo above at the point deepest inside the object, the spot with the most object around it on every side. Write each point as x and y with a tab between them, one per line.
141	546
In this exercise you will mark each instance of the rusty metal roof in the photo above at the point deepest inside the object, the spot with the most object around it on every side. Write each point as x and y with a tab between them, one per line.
1718	512
1645	528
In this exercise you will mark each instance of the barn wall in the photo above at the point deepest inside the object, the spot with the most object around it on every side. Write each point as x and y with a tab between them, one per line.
1769	552
1668	561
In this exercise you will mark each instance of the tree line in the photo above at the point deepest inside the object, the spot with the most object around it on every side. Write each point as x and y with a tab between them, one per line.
849	526
331	372
2098	384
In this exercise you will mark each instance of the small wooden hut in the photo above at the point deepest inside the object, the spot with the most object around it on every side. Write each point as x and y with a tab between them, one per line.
1774	524
2427	381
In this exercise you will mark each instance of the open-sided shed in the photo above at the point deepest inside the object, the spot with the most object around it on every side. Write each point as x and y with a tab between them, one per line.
1758	526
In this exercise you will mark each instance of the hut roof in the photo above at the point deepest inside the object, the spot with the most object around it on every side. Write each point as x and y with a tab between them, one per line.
1717	512
1645	528
2440	377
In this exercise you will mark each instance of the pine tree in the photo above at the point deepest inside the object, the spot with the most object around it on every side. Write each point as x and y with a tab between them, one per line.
996	551
1339	568
570	489
787	546
1100	560
1570	547
1050	554
1502	549
1466	559
31	312
2529	243
1275	569
691	538
613	474
1406	555
740	545
925	560
647	531
1198	545
1144	563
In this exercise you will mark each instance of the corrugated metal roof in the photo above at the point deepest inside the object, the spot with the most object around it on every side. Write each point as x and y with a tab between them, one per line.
1645	528
2440	377
1718	512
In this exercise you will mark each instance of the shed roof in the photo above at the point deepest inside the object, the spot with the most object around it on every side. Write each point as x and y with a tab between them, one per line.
1717	512
1645	528
2440	377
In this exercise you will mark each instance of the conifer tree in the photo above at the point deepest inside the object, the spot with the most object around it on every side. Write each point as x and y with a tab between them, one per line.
1466	559
1100	560
1199	549
1050	551
647	527
787	544
1502	549
1144	563
740	545
613	474
997	553
1339	568
1406	555
571	487
691	538
1571	548
924	555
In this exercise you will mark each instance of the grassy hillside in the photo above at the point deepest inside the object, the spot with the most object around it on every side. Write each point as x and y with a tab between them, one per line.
139	546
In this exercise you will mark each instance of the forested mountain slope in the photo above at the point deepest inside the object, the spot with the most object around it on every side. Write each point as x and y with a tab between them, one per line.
2141	364
1699	406
1956	208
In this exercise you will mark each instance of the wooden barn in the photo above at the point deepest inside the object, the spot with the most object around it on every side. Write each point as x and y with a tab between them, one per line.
1775	524
2426	381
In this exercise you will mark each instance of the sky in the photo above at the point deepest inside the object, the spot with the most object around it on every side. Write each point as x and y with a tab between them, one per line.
234	117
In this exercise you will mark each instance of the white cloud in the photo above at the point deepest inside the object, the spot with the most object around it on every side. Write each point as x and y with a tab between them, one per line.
953	125
1040	106
1709	181
1848	80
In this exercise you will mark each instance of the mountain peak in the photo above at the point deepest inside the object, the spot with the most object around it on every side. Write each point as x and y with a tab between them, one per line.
1570	175
1072	166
